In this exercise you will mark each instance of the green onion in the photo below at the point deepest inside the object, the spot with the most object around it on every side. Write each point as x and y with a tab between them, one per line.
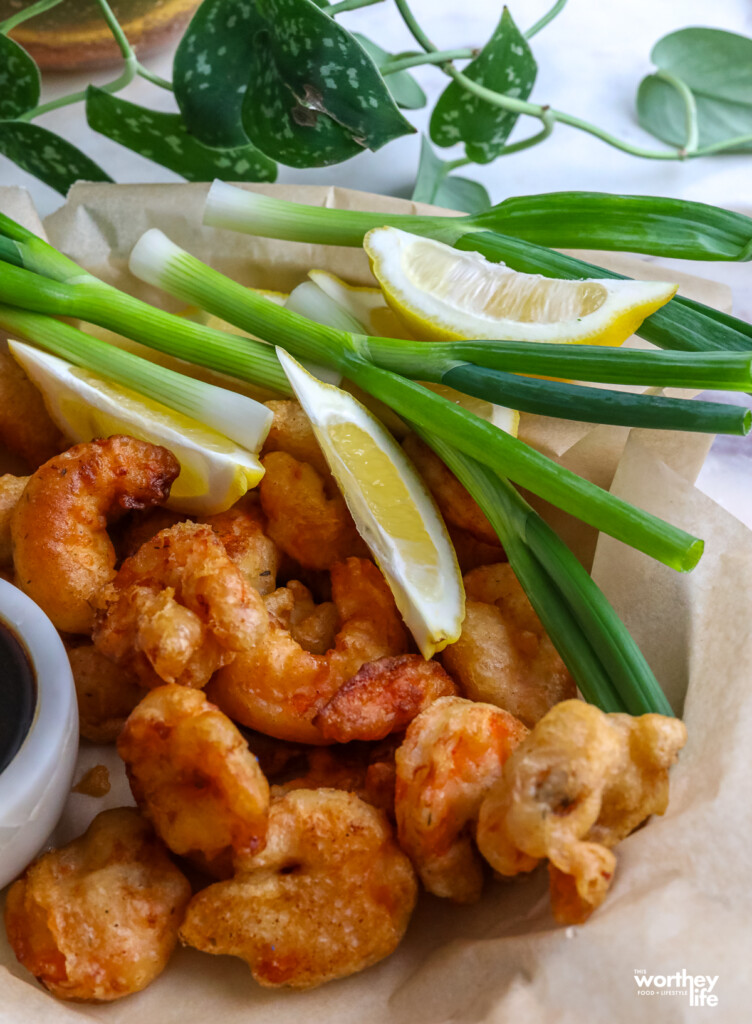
159	262
596	646
237	417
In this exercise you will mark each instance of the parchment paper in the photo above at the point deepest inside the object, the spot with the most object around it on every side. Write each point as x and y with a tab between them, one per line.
681	897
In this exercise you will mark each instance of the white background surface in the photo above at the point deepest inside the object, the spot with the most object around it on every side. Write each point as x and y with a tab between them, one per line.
591	60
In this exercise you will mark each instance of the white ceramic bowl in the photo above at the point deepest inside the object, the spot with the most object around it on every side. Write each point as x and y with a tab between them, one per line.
34	786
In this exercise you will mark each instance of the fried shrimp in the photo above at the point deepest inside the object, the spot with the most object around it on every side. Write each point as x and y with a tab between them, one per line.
455	503
106	694
313	626
61	550
331	894
98	919
11	489
278	687
307	516
504	656
193	776
471	552
178	609
291	432
452	755
383	696
578	785
26	429
242	531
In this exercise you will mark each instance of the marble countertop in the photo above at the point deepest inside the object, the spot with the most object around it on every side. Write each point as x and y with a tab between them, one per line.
591	60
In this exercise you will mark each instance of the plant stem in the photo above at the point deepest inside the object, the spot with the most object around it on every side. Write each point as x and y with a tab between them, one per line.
557	8
157	80
24	15
349	5
690	108
438	57
414	28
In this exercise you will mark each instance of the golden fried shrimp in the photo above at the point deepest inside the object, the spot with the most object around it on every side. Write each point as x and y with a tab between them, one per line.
331	894
26	429
578	784
242	531
471	552
143	526
106	694
98	919
277	687
11	489
455	503
62	553
452	755
313	626
178	609
291	432
504	656
383	696
307	516
193	776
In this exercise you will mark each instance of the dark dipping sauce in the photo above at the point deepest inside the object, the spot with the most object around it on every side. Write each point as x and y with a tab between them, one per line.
18	695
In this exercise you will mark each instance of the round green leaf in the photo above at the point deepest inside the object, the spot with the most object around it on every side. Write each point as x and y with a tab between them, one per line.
314	95
660	111
47	156
19	80
710	61
405	91
210	71
434	184
505	65
164	139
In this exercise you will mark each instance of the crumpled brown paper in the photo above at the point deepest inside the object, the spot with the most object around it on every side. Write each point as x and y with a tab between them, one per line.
680	899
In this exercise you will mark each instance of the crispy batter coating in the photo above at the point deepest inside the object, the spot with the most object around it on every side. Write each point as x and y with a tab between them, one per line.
178	609
313	626
106	694
504	655
193	776
452	755
383	696
11	489
98	919
278	687
331	894
471	552
61	550
26	429
242	531
307	516
579	783
142	526
291	432
455	503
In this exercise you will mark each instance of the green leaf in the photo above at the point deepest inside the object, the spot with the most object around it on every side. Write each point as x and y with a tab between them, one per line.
47	156
506	65
163	138
405	91
19	80
314	97
434	185
717	67
210	71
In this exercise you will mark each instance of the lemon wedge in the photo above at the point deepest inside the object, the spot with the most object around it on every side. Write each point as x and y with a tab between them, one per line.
214	471
391	506
367	305
442	293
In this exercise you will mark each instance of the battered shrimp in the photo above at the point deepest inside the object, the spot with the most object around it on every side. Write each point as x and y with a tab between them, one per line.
331	894
193	776
277	687
291	432
504	655
106	694
452	755
455	503
313	626
178	609
98	919
579	783
382	697
62	553
26	429
11	489
471	552
143	526
307	516
242	531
